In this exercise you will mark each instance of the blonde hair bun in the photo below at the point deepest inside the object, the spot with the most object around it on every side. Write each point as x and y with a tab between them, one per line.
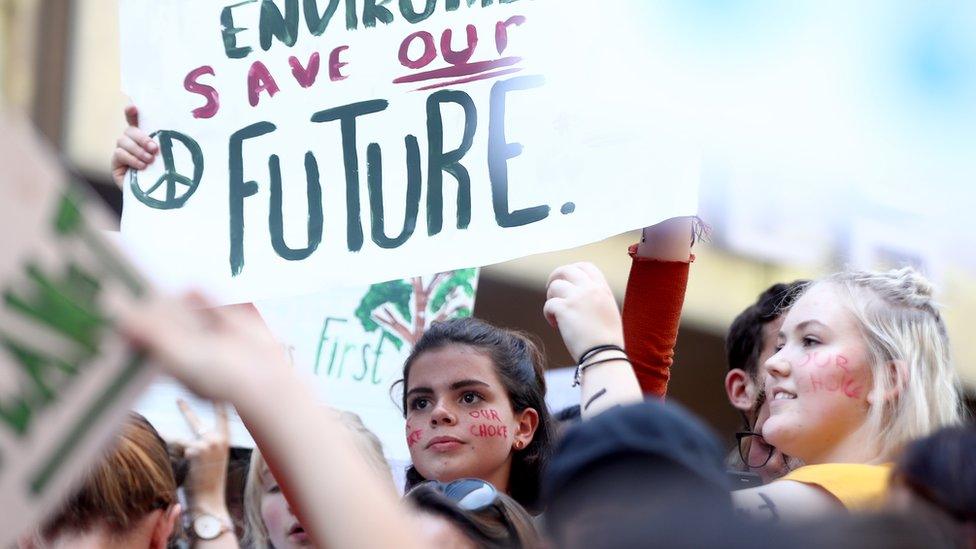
905	286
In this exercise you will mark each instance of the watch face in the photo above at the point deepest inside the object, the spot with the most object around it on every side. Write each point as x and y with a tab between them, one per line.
207	527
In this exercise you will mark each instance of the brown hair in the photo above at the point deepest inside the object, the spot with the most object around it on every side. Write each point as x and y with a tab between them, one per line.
132	480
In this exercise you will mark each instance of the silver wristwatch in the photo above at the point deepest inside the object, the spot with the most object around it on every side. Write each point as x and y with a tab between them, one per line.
208	527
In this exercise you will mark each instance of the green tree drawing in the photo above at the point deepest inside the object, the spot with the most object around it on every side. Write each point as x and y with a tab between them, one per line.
404	309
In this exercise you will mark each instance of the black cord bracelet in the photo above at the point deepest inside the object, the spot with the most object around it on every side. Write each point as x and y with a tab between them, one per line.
592	352
599	348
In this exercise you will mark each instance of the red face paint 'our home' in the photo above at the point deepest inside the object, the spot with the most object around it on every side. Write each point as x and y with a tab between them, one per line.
838	381
819	381
845	384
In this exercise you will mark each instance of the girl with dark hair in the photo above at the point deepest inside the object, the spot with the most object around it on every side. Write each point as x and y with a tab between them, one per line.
474	401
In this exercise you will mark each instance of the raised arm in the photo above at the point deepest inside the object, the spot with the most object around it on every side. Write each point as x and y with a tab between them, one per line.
229	355
206	483
581	305
653	300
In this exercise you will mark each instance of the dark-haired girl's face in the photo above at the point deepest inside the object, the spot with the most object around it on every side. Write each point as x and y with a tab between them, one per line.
460	421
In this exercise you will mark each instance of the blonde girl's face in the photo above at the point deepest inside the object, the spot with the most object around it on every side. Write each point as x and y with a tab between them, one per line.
284	530
818	382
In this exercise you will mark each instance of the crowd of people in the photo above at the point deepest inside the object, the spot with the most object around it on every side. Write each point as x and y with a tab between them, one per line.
854	431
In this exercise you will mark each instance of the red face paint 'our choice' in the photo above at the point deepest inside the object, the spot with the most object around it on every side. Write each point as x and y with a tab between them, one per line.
489	431
413	436
489	414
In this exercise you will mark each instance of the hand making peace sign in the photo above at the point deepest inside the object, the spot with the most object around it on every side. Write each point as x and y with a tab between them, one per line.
207	455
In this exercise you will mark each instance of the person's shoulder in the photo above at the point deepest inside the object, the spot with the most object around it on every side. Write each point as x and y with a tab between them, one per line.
788	501
859	473
855	485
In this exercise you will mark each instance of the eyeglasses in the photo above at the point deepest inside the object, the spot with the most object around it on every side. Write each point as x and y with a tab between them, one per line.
753	449
470	494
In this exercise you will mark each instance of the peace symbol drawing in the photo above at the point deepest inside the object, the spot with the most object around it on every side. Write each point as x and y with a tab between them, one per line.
172	189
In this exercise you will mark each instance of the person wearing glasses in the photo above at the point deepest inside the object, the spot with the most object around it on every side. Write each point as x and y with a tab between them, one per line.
581	306
472	513
862	367
749	344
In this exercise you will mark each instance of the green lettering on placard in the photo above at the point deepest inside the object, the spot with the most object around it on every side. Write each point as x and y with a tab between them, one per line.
374	181
322	340
411	15
47	377
240	189
352	22
229	32
276	216
317	23
283	27
374	10
347	115
65	450
68	219
439	161
500	151
67	304
451	5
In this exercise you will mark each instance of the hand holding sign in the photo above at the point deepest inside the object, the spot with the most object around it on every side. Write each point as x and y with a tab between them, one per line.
134	150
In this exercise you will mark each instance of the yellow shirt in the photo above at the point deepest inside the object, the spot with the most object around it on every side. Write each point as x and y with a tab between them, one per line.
857	486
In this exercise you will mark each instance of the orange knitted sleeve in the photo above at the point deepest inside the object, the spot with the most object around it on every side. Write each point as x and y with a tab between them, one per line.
651	314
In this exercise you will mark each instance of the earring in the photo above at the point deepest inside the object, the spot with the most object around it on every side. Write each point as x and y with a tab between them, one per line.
518	444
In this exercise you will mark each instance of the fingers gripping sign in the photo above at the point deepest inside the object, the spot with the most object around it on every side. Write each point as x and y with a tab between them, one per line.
134	150
176	187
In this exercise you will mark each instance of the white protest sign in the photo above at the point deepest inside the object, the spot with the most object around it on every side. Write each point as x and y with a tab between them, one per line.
66	378
350	344
307	142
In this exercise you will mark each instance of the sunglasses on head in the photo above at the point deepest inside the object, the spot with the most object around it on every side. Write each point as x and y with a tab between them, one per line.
470	494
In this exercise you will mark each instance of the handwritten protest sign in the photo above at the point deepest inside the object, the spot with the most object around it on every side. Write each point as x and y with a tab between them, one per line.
305	142
65	377
350	344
